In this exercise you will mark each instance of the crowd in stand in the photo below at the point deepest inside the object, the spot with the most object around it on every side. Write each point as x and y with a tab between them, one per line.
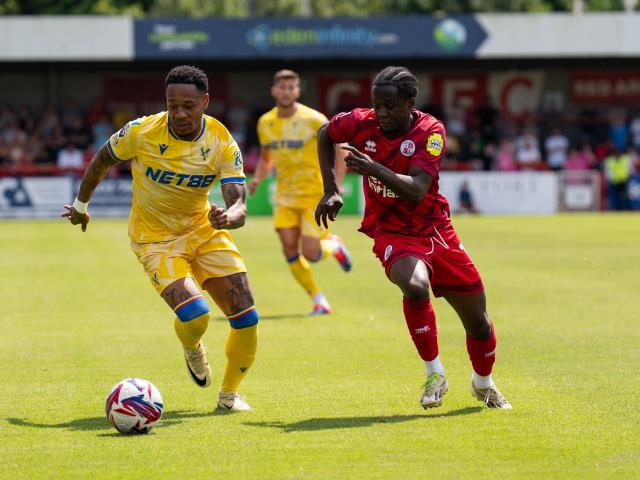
62	141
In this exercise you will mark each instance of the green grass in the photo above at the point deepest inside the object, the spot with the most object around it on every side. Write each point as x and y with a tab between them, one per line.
334	397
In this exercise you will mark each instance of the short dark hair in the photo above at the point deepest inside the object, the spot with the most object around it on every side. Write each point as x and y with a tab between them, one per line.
399	77
285	75
190	75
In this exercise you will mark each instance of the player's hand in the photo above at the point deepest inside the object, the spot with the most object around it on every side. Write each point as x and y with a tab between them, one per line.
359	162
329	206
218	217
252	187
76	218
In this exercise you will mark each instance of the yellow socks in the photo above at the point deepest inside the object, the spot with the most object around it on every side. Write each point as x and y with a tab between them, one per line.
302	273
240	348
191	332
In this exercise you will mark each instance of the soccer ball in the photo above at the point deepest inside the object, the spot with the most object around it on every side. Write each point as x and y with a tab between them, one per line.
134	406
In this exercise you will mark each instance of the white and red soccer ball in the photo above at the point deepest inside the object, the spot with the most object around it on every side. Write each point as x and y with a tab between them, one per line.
134	405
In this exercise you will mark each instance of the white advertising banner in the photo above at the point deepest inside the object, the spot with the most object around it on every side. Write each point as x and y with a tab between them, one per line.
33	197
532	193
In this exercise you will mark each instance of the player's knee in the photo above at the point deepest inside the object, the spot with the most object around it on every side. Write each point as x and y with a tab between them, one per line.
192	308
414	290
312	254
244	319
479	326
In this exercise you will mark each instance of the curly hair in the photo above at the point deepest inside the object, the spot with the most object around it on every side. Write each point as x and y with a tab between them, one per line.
188	74
399	77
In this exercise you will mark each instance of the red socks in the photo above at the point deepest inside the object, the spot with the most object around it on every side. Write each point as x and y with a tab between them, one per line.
482	353
421	321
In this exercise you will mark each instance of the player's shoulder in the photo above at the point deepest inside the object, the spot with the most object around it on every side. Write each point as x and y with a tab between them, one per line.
143	124
305	111
216	127
357	115
427	123
268	116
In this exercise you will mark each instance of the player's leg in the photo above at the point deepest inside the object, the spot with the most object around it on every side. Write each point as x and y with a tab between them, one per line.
233	295
191	322
481	345
319	244
288	222
412	276
167	265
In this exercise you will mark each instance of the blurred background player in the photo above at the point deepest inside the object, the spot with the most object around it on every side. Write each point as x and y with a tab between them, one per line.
176	235
409	222
288	142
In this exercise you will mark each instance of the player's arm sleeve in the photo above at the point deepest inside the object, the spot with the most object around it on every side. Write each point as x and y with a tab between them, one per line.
430	150
230	168
341	127
123	145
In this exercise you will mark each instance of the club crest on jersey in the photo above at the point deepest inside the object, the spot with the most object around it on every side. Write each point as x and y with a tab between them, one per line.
204	153
435	143
370	146
407	148
163	148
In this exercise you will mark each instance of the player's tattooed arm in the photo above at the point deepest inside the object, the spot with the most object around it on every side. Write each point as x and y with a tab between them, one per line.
331	202
411	187
234	216
95	173
97	169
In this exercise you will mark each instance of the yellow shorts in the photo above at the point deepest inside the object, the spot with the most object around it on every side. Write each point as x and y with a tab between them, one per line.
201	254
302	218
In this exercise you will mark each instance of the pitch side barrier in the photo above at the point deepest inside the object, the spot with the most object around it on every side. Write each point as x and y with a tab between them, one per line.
524	193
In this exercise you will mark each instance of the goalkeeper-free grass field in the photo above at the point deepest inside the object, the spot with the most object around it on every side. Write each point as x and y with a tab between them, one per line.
335	396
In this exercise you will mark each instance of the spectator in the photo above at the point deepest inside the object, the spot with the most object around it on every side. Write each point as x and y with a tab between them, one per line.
70	160
505	160
618	130
456	119
465	199
101	130
487	120
581	159
528	151
617	170
49	121
634	128
556	146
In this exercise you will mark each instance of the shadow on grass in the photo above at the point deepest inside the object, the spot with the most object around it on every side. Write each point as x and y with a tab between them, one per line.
283	316
101	423
314	424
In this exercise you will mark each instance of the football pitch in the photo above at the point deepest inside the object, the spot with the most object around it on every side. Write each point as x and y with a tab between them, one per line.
336	396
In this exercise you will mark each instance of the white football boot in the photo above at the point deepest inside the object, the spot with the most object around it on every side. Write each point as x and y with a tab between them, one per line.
232	402
491	396
434	390
198	365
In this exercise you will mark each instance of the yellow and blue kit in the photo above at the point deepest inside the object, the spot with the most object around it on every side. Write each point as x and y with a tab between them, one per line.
168	226
293	147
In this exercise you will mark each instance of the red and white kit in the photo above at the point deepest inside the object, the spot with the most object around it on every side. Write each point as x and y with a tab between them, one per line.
400	228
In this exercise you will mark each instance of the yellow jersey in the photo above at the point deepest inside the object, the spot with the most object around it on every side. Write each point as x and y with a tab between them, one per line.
293	146
172	177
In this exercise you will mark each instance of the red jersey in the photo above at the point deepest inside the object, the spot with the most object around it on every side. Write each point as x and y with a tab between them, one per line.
422	146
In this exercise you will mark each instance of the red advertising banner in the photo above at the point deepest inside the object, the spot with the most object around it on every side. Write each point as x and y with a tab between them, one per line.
467	91
339	94
605	86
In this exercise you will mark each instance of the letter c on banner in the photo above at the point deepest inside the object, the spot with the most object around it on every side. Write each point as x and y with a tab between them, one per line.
507	100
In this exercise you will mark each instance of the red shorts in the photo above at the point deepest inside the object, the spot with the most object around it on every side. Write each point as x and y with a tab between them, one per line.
450	267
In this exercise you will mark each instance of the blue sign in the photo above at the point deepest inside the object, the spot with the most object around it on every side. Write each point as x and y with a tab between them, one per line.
411	36
633	190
